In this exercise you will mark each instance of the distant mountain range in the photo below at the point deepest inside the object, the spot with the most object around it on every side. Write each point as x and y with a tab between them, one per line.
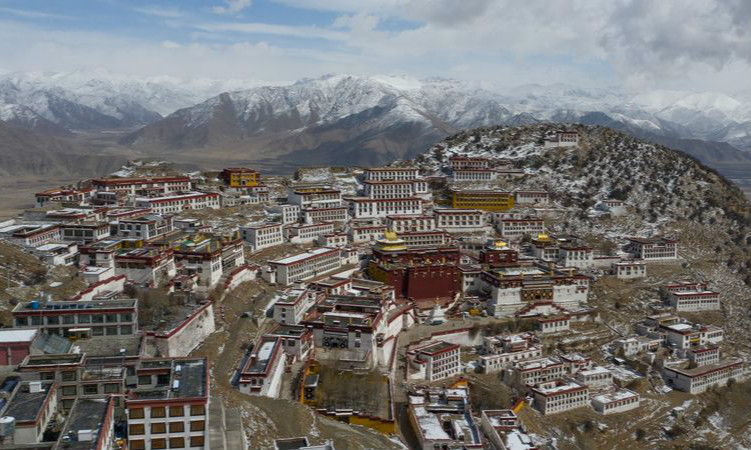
346	119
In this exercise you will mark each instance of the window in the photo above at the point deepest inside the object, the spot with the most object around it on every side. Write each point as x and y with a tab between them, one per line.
111	388
158	412
36	320
111	331
176	411
136	413
126	329
84	318
176	427
136	429
110	318
126	317
98	318
144	379
196	441
53	320
176	442
197	425
47	376
162	380
69	376
90	389
97	331
159	443
69	391
69	319
137	444
158	428
21	321
197	410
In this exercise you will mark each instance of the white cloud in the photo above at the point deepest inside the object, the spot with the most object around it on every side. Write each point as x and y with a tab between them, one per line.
233	6
307	32
671	44
29	14
170	13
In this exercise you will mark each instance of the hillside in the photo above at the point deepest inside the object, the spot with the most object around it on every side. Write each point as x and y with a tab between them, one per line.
667	193
25	152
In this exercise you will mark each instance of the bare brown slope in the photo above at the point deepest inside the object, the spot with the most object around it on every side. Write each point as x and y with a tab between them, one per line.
24	152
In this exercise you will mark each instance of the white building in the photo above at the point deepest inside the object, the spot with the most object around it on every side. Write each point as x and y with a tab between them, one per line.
652	249
396	188
615	402
289	213
459	220
500	352
560	396
58	253
693	297
144	227
307	233
595	378
366	233
85	232
554	324
505	432
306	265
458	162
535	371
414	222
462	175
318	215
262	373
291	305
169	405
142	185
699	379
368	208
562	139
530	198
704	356
30	235
434	360
629	269
425	238
580	256
391	173
514	228
180	202
683	335
262	235
337	239
314	197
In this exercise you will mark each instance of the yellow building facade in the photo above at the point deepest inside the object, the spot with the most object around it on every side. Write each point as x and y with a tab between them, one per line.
485	200
239	177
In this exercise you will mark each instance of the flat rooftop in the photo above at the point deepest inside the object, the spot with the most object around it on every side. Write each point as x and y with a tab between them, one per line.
87	414
25	405
14	336
187	379
48	360
303	256
75	306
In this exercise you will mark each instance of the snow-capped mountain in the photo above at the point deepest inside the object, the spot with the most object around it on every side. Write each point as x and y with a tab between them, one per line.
359	120
352	119
99	99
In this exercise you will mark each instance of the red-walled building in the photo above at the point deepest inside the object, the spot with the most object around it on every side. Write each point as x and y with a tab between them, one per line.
15	345
425	275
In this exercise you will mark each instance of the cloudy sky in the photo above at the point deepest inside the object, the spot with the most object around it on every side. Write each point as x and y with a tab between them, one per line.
638	44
